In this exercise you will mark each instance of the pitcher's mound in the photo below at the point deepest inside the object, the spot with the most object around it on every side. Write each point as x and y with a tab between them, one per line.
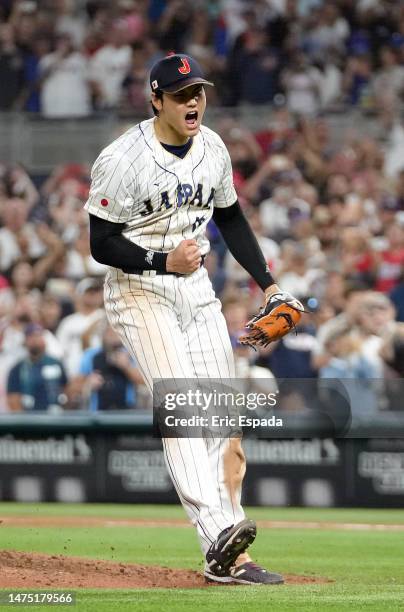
36	570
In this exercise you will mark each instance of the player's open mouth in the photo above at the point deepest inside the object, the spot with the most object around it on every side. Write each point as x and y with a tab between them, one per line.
191	119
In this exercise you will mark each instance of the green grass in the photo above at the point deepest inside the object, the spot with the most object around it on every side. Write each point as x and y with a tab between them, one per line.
366	566
128	511
239	599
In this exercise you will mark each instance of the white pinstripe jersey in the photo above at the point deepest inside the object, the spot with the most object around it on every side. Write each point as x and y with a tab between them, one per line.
161	198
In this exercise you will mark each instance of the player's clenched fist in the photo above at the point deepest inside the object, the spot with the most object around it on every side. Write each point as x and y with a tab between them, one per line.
185	258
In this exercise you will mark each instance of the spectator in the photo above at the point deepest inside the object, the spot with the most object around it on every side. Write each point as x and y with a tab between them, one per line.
135	98
26	277
65	191
388	83
302	84
276	134
279	212
11	69
294	275
6	362
278	168
312	149
330	81
18	237
31	100
357	257
24	309
243	149
198	45
328	31
65	90
253	70
356	83
390	259
374	319
50	312
79	261
17	183
132	15
397	297
281	20
347	300
22	278
109	67
38	382
108	375
25	20
174	25
69	21
392	353
400	189
349	365
80	330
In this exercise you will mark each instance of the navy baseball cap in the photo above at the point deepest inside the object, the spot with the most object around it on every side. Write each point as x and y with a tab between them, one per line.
175	72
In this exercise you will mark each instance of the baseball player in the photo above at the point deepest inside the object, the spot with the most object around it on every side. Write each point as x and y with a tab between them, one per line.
153	192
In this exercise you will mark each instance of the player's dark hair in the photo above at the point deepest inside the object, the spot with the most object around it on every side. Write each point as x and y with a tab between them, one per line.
159	95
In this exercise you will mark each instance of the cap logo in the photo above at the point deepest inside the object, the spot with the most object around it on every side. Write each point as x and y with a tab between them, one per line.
185	68
154	85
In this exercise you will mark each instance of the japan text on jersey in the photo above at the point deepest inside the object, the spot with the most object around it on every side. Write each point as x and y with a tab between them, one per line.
163	199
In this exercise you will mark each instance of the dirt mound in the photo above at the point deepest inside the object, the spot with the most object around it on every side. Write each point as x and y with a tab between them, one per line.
35	570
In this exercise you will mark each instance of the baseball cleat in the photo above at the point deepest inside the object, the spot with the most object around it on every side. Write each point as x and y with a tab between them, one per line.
230	543
211	577
247	573
251	573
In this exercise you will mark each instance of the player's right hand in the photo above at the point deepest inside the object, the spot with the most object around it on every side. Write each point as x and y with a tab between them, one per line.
185	258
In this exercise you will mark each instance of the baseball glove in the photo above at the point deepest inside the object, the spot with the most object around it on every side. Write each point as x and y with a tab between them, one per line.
281	313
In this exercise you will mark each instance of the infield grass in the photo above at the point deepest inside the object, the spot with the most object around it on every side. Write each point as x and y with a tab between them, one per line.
367	565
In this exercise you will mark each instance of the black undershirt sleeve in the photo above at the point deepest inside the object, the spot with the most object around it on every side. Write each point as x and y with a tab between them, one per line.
108	246
242	243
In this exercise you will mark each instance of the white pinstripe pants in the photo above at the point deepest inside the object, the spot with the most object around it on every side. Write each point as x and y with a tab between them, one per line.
174	328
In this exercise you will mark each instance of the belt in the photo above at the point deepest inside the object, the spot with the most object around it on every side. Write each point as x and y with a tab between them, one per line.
155	272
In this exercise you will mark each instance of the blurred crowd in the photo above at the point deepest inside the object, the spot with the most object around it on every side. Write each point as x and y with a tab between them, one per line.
330	222
328	212
71	58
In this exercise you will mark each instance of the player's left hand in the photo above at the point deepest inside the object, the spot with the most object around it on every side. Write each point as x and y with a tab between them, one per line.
281	313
